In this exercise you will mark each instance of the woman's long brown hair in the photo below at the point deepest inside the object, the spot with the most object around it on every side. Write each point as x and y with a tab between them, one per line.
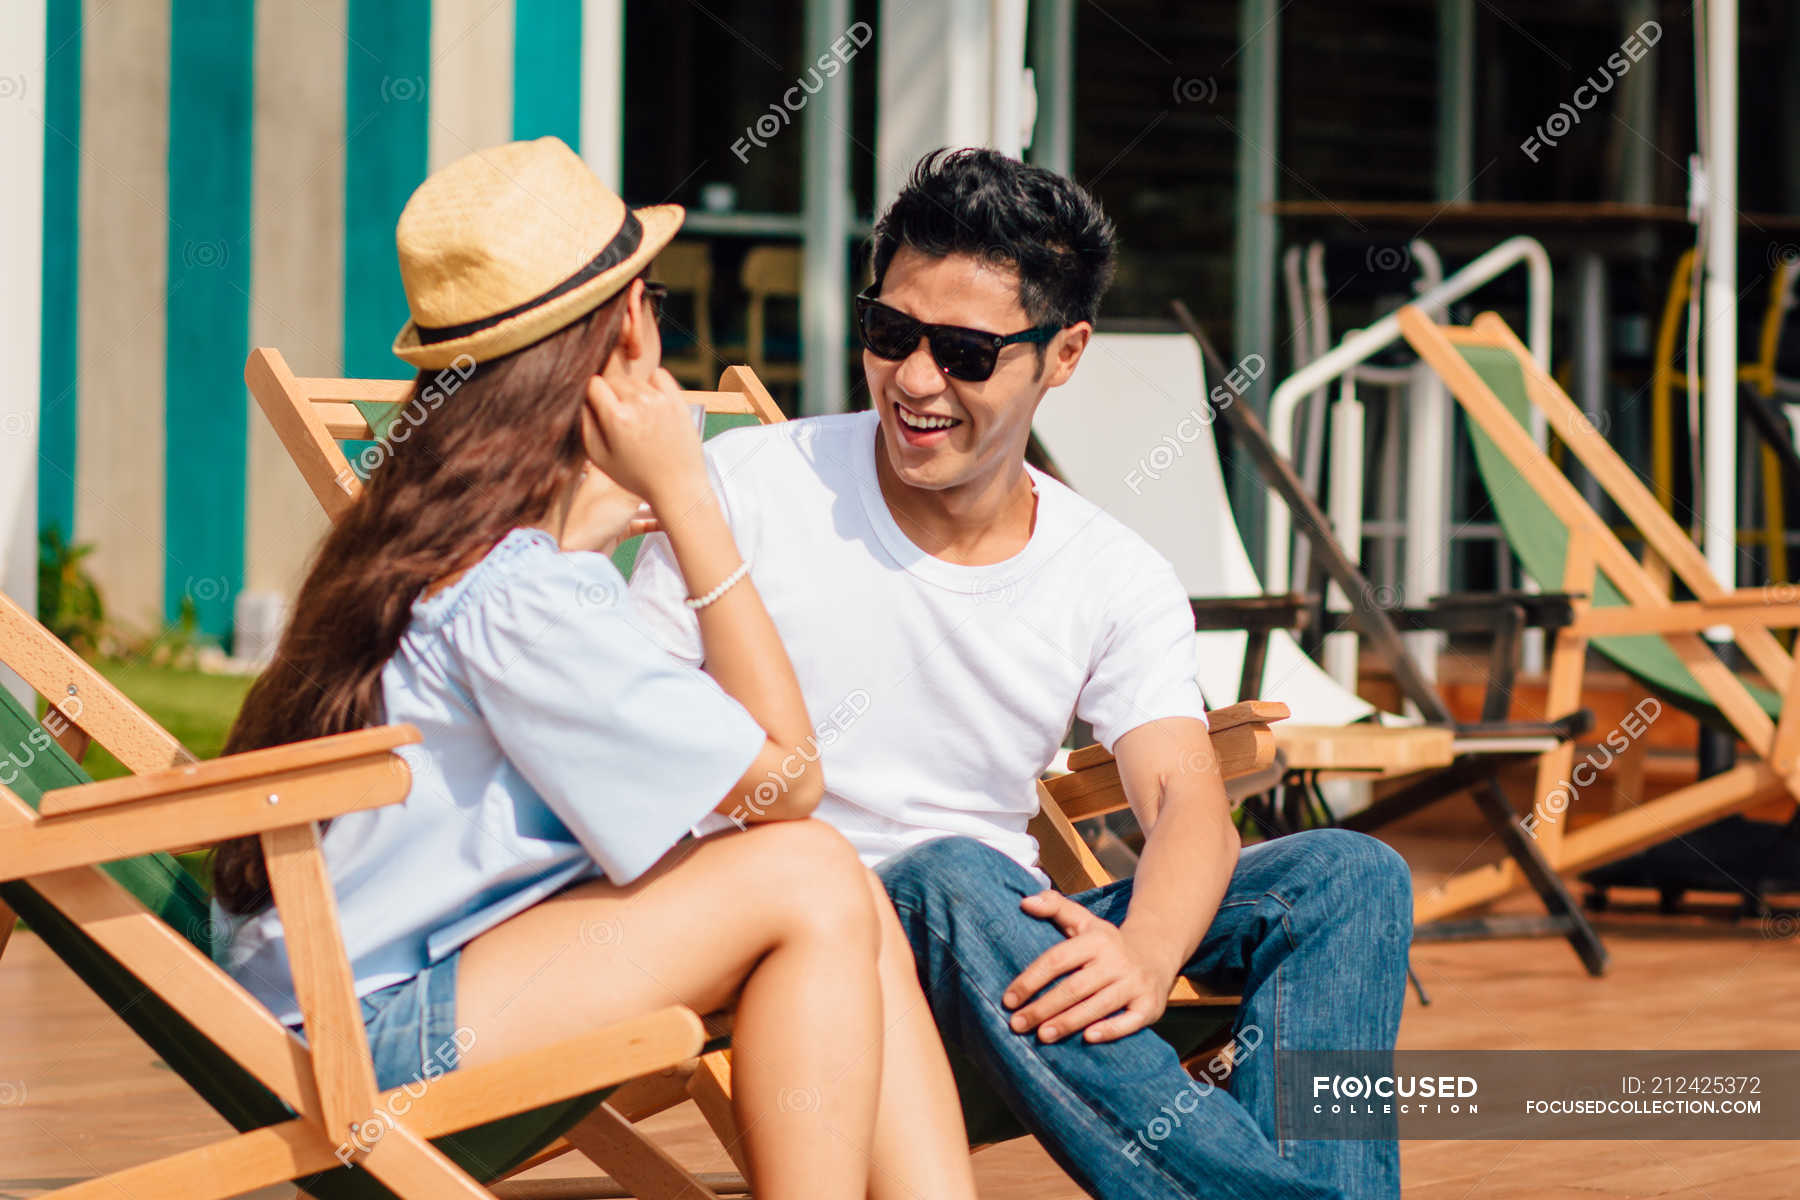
496	454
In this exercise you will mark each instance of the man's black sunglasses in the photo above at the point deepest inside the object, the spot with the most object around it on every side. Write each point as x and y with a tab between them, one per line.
960	352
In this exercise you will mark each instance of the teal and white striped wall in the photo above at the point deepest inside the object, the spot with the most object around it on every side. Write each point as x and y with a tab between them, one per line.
220	174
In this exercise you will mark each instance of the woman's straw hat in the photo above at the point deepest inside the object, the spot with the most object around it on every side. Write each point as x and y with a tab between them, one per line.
506	246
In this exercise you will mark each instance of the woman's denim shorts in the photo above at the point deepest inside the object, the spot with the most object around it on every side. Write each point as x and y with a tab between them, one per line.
412	1026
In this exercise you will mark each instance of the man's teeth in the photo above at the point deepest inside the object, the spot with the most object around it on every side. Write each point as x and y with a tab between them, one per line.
915	421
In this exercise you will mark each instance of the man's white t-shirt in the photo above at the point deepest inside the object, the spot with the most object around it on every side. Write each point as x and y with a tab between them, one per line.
938	692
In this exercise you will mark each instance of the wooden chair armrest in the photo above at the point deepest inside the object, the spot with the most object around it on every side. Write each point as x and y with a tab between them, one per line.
1543	610
560	1070
1691	616
1249	712
1219	720
1252	614
197	805
1466	613
233	768
1241	740
1780	594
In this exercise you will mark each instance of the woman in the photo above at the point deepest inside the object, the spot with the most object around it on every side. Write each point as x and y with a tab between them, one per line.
539	881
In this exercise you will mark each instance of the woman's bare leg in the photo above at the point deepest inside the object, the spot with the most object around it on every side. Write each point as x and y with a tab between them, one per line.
921	1147
778	917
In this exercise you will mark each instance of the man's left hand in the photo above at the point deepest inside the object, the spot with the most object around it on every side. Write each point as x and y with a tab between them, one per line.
1105	982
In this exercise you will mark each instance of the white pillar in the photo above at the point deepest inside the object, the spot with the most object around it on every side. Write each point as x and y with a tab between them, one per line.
1254	262
949	73
1052	29
1719	436
1456	100
933	87
471	84
1593	314
1637	110
1006	93
603	89
22	265
825	202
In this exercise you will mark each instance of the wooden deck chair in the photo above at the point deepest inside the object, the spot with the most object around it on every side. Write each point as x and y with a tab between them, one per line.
686	268
1152	462
1625	610
313	415
769	274
88	865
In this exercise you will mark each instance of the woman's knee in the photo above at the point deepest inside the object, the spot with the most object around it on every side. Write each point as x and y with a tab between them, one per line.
819	882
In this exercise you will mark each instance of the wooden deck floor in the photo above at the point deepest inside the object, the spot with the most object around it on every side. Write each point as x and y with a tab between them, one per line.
80	1096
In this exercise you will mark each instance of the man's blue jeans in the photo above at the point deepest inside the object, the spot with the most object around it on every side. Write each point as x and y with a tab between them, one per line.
1313	932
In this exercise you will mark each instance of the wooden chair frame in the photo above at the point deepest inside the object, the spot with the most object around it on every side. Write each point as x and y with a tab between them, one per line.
769	273
280	795
1465	757
311	415
1593	547
686	268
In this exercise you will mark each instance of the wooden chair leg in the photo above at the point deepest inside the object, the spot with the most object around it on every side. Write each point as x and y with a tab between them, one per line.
652	1094
635	1101
73	739
642	1168
1628	775
1568	664
261	1158
711	1089
1561	905
550	1153
8	921
414	1169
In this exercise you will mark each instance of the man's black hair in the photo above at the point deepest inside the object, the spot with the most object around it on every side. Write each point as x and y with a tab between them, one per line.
980	202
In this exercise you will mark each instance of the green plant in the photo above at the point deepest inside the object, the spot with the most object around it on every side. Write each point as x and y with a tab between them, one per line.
69	600
178	645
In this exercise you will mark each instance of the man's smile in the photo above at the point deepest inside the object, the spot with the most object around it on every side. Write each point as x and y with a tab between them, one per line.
923	429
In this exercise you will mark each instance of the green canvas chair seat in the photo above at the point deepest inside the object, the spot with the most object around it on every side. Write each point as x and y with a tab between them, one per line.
163	886
1540	539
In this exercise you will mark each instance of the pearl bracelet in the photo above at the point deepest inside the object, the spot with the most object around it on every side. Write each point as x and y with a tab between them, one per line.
725	585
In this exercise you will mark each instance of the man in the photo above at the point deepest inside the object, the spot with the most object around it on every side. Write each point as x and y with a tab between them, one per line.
949	610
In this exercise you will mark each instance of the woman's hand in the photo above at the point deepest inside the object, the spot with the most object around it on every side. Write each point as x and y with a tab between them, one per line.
642	435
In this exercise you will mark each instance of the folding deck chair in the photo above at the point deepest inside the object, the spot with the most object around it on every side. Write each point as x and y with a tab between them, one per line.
313	415
1133	431
88	864
1622	607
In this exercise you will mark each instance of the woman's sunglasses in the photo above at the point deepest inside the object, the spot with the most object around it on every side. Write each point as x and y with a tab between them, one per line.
961	353
655	295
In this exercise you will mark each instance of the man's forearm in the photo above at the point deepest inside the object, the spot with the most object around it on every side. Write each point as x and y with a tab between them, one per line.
1189	854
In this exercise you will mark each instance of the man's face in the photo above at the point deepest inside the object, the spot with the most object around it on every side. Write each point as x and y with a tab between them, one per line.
990	421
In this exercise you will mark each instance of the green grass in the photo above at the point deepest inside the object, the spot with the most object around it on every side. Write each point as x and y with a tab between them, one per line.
197	708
